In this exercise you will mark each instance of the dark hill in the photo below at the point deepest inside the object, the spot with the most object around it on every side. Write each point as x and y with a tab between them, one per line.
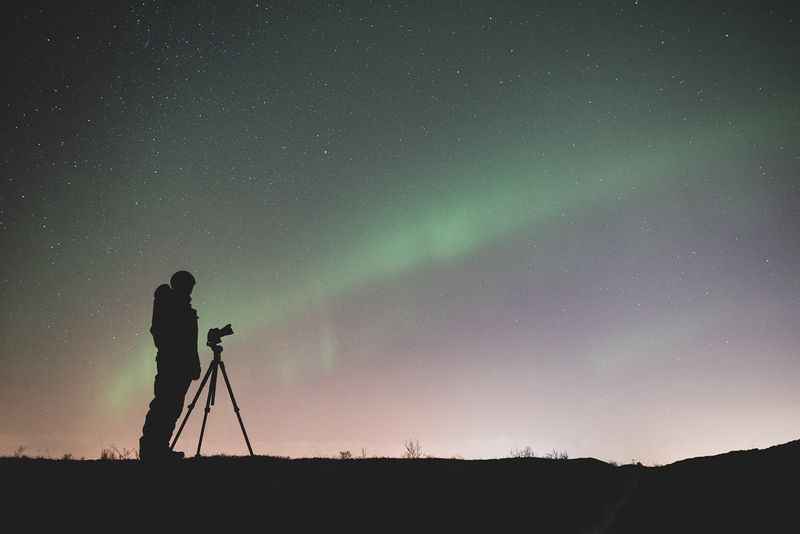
743	491
740	491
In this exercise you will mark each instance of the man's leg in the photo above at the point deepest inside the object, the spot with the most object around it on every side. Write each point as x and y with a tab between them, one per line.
179	388
149	443
170	390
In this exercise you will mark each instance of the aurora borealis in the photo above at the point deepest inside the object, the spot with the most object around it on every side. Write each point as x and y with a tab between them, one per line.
480	225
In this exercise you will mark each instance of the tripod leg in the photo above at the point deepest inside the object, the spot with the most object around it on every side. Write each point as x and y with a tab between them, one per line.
235	406
212	385
191	407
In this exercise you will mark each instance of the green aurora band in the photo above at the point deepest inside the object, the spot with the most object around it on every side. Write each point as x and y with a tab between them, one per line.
489	201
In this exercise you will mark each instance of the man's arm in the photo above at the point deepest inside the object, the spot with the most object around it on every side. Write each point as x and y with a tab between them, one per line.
196	358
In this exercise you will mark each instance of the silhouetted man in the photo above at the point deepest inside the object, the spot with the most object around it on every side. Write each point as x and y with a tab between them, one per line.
174	330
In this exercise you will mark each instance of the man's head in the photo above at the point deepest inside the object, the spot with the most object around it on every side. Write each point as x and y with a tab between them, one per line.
182	283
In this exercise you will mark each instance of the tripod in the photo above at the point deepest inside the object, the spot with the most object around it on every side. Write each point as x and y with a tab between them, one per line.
213	368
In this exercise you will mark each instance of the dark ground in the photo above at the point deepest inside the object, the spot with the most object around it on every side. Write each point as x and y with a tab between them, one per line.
744	491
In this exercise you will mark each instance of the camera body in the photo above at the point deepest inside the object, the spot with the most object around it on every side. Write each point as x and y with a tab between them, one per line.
215	335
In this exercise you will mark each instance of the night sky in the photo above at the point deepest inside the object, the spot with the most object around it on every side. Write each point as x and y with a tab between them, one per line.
479	225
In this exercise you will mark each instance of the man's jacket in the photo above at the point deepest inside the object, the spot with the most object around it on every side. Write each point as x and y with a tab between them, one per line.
174	330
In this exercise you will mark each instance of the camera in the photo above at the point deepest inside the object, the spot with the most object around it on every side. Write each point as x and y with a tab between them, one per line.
215	335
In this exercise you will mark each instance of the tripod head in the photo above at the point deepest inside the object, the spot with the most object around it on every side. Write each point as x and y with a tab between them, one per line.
214	338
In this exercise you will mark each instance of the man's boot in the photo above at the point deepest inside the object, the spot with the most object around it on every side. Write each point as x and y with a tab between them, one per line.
150	452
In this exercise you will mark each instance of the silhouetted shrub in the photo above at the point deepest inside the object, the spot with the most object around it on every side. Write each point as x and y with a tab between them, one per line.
527	452
113	453
557	455
413	450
